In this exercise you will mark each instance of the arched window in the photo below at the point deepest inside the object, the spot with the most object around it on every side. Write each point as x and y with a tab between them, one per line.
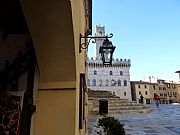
107	82
125	83
88	82
113	82
100	82
121	72
119	82
94	82
111	73
95	72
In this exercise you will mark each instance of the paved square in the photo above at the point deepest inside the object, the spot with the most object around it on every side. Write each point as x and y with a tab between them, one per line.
163	121
175	129
150	131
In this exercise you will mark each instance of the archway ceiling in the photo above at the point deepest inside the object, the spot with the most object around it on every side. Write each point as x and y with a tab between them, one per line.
51	28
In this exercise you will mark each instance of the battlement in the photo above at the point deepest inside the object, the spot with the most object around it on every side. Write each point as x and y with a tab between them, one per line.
121	60
115	62
92	59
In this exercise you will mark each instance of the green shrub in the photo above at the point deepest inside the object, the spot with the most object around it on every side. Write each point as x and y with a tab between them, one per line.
111	126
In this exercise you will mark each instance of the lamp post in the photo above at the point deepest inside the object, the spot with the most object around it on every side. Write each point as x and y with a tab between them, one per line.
106	50
178	73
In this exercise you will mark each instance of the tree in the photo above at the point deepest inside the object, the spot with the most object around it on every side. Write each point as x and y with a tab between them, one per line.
111	126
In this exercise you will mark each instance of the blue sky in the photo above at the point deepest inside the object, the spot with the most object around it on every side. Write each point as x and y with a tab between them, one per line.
145	31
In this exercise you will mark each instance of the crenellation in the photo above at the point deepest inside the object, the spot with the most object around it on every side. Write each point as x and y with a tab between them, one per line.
115	61
115	64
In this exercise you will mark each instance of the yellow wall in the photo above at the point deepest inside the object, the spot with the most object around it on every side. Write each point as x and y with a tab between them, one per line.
55	112
79	24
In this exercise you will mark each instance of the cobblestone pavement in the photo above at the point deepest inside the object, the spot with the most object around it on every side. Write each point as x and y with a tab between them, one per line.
162	121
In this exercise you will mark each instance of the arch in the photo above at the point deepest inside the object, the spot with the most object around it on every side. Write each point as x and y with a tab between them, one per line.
50	56
100	82
113	82
119	82
110	73
125	82
95	72
121	73
107	82
94	82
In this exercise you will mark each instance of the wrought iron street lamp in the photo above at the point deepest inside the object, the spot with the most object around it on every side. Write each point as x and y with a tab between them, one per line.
106	50
178	73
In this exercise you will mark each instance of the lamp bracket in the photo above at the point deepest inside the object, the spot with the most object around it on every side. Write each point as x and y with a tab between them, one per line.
86	44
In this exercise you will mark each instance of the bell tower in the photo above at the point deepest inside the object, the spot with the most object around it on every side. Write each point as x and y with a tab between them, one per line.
100	31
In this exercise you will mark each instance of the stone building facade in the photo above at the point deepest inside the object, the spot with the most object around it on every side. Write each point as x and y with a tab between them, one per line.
168	91
114	78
